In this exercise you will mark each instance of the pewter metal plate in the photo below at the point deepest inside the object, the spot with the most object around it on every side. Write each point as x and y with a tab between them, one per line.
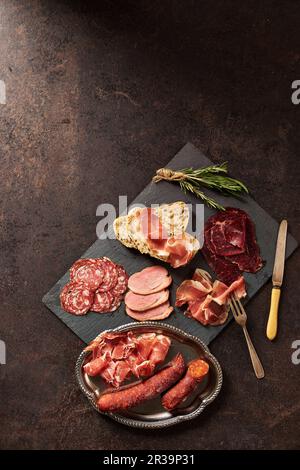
151	414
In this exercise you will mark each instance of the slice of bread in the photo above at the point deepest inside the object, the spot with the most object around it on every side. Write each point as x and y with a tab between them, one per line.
174	217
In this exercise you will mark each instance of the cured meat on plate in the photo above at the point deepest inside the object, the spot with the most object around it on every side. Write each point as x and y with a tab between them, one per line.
146	390
90	271
160	312
76	298
140	303
230	245
208	301
117	356
159	232
149	280
197	370
97	284
148	296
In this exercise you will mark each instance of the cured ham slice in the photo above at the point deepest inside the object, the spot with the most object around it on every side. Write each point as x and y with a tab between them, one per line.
152	228
179	249
157	313
140	303
209	306
147	360
159	232
123	348
159	349
202	276
95	366
230	245
208	312
192	290
221	292
149	280
144	347
116	356
116	372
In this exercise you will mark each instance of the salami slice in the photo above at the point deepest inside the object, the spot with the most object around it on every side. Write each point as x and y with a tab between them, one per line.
110	277
90	273
117	299
103	302
122	282
76	298
79	263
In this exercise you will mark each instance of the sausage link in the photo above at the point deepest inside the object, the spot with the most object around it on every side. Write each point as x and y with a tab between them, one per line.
197	370
146	390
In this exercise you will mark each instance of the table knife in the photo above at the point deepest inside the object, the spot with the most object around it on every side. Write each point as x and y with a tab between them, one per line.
277	279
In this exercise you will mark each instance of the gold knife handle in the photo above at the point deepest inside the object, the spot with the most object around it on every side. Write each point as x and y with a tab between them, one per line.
273	315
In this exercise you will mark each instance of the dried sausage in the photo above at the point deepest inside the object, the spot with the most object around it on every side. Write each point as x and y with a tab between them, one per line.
196	372
146	390
122	281
102	302
76	298
90	273
110	277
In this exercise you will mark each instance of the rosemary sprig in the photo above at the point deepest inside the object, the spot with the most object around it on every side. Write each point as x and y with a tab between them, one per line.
213	177
188	187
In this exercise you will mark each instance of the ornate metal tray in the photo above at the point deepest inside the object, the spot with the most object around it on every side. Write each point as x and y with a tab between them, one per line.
151	414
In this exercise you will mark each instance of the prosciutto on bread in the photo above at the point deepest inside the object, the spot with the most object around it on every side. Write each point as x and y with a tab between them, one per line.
159	232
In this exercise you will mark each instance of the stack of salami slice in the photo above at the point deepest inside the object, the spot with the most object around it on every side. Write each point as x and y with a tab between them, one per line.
148	297
96	284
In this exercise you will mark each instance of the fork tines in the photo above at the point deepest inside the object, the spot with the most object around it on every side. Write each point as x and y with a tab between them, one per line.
236	306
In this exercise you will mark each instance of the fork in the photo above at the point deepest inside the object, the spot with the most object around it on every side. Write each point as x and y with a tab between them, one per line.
240	317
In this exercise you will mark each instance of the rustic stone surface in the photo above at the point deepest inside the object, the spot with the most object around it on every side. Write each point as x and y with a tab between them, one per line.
99	96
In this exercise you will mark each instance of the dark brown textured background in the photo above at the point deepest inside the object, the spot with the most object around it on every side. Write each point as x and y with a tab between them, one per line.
100	94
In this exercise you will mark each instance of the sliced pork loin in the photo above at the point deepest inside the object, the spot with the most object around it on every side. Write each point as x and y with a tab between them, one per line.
156	313
149	280
140	303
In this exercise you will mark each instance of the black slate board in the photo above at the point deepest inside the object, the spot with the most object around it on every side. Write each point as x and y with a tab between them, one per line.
89	326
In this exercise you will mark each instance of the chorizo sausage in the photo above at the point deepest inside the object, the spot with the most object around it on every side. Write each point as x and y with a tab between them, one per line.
197	370
146	390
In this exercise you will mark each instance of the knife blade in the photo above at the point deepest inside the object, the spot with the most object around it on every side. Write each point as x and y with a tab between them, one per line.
278	270
277	279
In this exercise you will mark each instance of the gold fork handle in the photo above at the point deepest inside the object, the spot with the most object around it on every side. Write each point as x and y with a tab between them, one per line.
257	365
